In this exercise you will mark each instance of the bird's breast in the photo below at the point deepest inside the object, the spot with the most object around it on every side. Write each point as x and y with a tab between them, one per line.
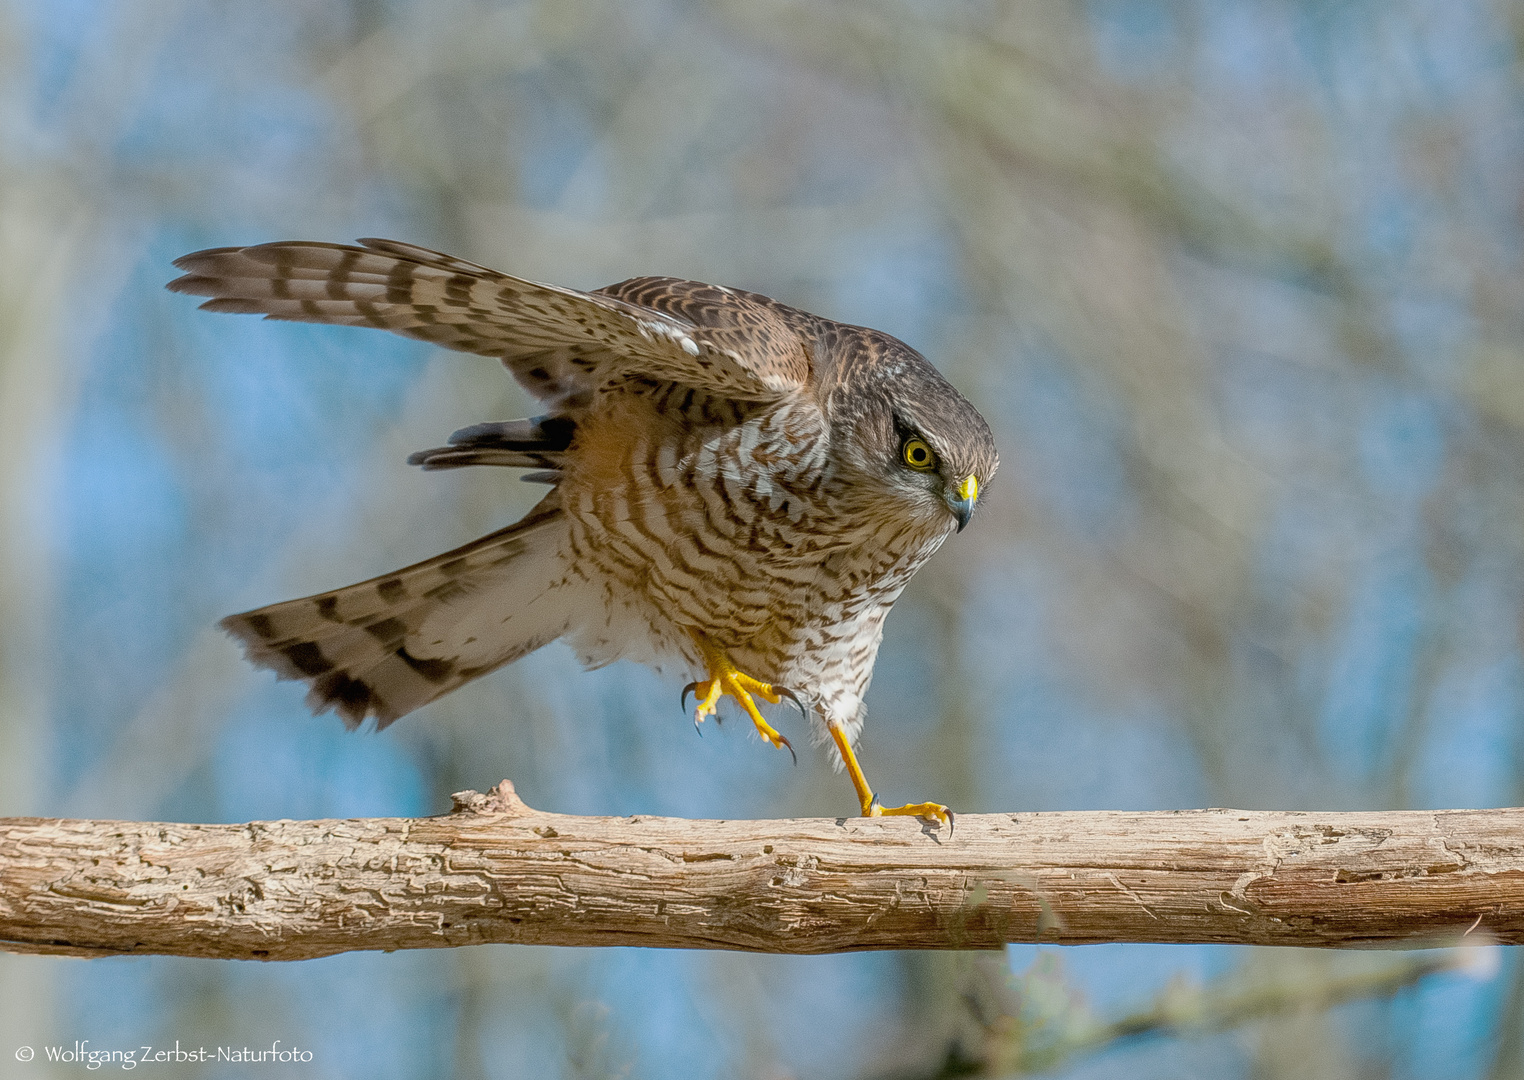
725	518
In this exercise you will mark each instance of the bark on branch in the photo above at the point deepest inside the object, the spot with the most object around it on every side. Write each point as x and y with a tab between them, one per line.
494	870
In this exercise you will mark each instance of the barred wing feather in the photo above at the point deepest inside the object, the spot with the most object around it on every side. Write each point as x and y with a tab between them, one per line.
559	343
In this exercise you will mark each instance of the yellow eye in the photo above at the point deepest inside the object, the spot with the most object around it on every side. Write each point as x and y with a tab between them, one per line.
918	455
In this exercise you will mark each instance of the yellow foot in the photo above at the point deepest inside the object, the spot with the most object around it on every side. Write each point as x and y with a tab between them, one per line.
933	810
870	804
724	679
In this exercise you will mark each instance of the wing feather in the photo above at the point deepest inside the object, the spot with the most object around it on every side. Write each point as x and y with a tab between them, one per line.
560	343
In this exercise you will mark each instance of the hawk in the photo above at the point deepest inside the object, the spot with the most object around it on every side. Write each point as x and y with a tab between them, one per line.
738	488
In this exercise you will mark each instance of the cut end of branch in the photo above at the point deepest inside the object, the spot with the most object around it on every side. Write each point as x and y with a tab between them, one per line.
502	799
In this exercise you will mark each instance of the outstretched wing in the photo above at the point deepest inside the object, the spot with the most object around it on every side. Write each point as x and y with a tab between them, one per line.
560	344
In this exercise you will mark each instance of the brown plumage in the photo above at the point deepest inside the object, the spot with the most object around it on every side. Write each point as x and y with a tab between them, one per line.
736	485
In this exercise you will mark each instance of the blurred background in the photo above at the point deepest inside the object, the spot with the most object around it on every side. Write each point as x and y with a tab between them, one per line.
1239	286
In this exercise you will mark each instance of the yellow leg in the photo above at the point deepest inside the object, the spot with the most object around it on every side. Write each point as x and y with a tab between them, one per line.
724	679
869	801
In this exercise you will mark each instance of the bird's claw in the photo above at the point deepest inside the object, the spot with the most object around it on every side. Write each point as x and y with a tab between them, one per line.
868	798
785	692
935	811
725	678
698	717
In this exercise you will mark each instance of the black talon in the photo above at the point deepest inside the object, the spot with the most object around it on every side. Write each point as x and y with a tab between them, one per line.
790	747
785	692
951	819
682	703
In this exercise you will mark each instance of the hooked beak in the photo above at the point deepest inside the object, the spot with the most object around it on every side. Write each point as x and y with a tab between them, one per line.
967	495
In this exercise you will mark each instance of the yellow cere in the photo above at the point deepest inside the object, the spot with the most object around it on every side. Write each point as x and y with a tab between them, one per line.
969	489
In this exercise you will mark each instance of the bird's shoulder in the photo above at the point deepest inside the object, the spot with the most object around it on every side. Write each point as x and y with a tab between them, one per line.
822	352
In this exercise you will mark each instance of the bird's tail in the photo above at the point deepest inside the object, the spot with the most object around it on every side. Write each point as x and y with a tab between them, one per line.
390	645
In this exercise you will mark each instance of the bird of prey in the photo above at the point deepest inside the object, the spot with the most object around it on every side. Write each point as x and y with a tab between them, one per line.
738	489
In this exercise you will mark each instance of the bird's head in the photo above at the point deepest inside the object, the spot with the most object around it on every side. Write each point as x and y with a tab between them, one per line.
913	437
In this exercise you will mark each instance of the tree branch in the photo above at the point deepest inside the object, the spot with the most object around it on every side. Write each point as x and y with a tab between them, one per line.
493	870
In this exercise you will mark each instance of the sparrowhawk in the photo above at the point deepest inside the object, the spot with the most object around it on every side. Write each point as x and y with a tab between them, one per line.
738	488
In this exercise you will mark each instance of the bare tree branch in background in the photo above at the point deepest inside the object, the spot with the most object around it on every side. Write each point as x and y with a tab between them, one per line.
1034	1022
